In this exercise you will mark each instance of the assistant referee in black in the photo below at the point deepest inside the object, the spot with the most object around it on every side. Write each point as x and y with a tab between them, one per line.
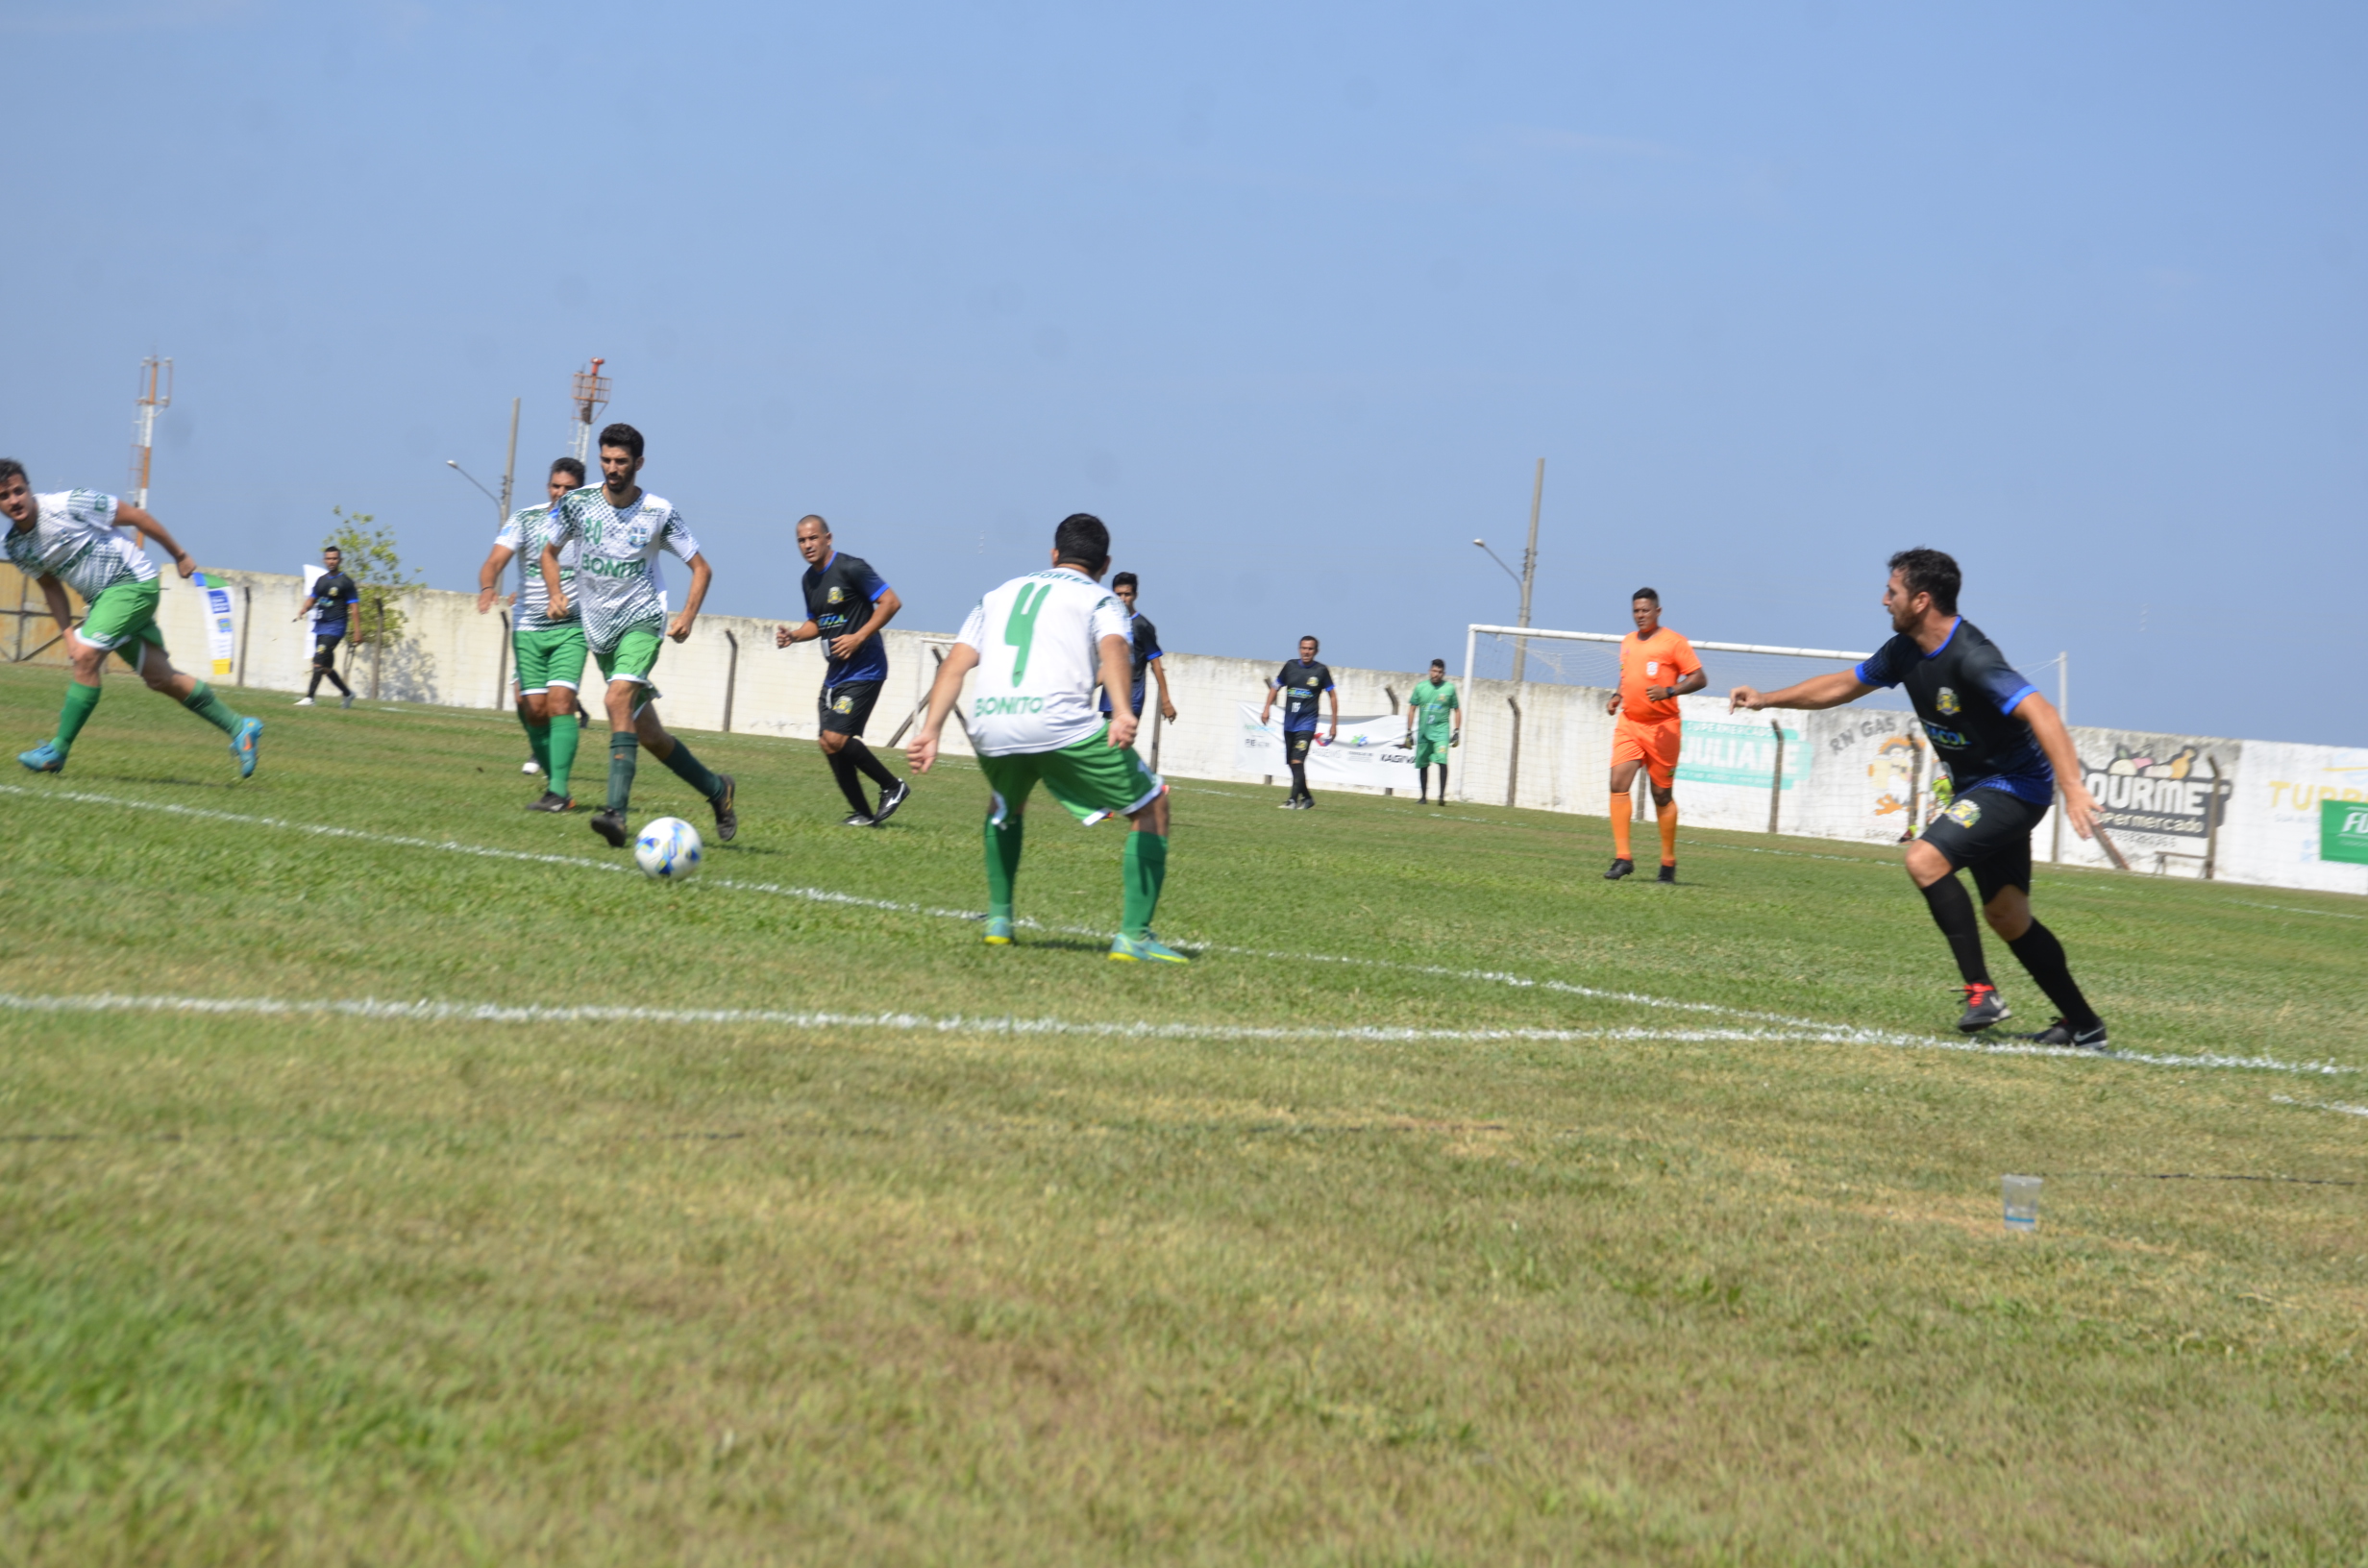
848	604
2007	752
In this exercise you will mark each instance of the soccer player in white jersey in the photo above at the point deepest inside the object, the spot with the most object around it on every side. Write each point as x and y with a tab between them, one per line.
67	539
549	654
618	530
1041	644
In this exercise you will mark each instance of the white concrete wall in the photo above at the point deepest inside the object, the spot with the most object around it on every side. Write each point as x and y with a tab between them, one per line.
1846	774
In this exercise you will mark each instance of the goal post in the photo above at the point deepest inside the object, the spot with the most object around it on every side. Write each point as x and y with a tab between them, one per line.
1591	658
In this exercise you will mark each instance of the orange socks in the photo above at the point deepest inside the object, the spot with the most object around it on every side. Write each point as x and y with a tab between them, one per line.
1668	833
1619	825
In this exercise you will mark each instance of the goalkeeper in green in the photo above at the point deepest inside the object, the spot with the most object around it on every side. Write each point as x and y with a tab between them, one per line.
1434	723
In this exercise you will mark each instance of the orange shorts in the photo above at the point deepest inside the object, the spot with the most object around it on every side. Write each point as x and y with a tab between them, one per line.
1653	745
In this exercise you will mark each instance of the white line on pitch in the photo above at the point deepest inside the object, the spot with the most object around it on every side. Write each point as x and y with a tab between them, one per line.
2289	909
2322	1105
425	1011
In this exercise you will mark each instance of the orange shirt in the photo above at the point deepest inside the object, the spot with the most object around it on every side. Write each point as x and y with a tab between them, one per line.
1663	661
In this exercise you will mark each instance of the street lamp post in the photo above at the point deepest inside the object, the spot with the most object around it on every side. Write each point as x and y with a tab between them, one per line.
1527	577
510	474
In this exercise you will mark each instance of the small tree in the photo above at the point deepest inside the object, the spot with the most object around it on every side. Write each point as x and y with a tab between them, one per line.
377	571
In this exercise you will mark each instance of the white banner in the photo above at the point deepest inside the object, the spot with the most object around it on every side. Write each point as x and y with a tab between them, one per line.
1367	755
221	623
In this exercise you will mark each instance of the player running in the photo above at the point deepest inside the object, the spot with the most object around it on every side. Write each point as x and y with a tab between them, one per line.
1434	723
2006	750
850	605
1039	644
549	653
1149	658
618	530
1300	683
337	598
67	539
1656	667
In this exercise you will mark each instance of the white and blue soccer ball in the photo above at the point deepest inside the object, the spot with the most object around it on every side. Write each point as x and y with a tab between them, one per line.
669	849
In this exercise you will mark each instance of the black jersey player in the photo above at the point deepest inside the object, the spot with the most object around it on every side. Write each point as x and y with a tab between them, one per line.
1301	684
848	605
2008	753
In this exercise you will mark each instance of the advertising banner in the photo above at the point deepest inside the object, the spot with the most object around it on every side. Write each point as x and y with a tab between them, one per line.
2157	795
2343	831
221	623
1367	754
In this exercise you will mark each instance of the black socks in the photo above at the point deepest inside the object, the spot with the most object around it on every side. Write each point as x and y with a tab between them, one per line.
1952	910
1298	781
851	784
2039	953
870	766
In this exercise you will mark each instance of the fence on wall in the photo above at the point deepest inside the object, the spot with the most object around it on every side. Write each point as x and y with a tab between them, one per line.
2261	812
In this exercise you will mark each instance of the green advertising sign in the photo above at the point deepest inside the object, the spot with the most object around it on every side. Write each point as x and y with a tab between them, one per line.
2343	831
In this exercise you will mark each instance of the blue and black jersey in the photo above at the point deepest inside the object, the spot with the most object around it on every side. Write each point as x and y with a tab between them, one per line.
1965	693
333	596
839	596
1300	684
1145	638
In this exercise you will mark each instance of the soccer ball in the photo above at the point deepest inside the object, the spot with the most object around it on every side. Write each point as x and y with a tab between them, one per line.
668	849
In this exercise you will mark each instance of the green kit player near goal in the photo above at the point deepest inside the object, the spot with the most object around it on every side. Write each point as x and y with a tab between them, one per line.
1434	723
67	539
1041	644
619	529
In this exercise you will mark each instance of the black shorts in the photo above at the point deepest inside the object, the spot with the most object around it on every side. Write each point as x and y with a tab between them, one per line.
325	648
1295	743
847	707
1988	833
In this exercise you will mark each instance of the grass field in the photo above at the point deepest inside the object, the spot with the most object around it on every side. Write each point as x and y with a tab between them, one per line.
1455	1207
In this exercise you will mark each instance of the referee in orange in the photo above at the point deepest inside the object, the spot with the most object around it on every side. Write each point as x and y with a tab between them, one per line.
1656	667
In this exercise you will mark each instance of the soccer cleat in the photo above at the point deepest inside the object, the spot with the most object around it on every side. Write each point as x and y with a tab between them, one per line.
1619	868
1984	1007
2061	1033
611	825
301	702
1291	804
999	931
346	701
245	741
726	819
43	759
1668	874
891	797
553	802
1145	949
532	767
856	818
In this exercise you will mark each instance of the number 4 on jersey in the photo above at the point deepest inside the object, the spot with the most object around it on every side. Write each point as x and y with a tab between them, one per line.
1019	632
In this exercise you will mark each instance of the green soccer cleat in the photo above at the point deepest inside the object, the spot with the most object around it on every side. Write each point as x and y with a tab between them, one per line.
1145	949
244	742
43	759
999	931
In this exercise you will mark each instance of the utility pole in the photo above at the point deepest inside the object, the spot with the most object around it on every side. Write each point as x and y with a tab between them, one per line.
1529	572
509	475
589	394
155	391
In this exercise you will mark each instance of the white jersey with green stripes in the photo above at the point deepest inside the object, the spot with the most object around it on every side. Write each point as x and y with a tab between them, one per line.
1039	643
73	539
525	534
618	583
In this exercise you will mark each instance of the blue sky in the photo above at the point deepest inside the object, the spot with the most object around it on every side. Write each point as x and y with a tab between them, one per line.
1292	296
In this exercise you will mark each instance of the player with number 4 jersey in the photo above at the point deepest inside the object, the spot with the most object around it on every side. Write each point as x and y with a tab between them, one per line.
1040	644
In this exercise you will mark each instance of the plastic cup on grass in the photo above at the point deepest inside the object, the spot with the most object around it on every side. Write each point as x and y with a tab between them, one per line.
2022	1196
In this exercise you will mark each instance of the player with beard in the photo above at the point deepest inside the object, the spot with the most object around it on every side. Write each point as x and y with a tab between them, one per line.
2007	752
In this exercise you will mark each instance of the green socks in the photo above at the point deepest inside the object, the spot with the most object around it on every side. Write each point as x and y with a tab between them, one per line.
693	772
1147	869
620	759
79	701
558	757
538	742
204	704
1003	861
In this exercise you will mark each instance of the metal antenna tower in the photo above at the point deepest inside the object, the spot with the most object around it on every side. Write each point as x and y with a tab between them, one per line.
155	391
589	395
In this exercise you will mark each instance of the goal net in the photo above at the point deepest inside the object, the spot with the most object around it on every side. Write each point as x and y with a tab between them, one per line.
1591	658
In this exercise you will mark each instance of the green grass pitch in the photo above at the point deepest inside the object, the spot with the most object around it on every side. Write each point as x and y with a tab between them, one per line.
1455	1207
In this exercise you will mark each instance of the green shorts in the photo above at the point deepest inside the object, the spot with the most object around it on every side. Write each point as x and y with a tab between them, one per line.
1428	751
1092	777
124	617
632	659
552	656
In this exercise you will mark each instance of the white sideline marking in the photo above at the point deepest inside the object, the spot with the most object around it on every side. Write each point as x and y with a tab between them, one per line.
2288	909
425	1011
2322	1105
1800	1028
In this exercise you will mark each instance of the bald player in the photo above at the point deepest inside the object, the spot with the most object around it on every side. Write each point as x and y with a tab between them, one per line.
1656	667
848	605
